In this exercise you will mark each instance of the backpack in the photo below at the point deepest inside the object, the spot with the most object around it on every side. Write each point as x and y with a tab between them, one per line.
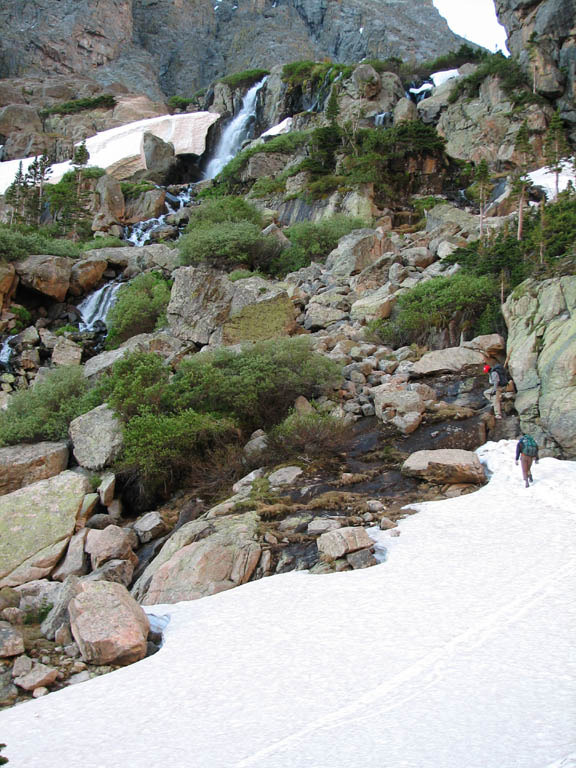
503	377
528	446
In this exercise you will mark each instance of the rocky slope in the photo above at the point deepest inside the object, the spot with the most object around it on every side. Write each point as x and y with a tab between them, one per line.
542	33
178	47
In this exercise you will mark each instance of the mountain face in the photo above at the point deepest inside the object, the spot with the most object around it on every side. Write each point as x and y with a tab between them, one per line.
179	46
542	33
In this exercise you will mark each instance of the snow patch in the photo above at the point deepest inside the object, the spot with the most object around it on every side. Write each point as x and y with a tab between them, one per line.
457	651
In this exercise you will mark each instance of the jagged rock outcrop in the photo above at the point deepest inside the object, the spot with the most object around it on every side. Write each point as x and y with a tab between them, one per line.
25	464
541	320
541	34
148	47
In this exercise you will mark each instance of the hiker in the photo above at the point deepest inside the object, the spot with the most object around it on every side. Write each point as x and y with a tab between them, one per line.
499	380
527	451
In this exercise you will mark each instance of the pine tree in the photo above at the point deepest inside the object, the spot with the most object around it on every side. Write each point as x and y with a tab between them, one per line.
79	163
521	182
332	108
36	176
15	195
556	148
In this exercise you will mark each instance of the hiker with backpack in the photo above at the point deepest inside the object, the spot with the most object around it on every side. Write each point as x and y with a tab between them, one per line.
527	451
499	380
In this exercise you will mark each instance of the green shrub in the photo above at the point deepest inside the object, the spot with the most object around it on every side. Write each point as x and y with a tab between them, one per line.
37	615
226	244
137	383
313	241
435	303
244	79
18	244
181	102
140	308
102	242
23	318
131	189
66	329
224	209
512	77
310	74
312	434
45	411
257	386
162	448
105	101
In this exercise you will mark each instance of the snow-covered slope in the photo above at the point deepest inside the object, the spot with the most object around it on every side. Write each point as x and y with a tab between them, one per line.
457	652
110	148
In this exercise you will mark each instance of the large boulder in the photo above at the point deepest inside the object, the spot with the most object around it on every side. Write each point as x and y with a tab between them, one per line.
26	464
36	523
96	437
398	405
451	360
49	275
335	544
355	252
202	558
372	306
113	543
108	203
108	624
138	259
207	308
541	320
448	465
8	283
86	274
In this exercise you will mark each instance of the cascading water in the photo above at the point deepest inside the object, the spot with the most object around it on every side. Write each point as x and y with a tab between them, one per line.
382	119
95	307
5	353
235	133
142	232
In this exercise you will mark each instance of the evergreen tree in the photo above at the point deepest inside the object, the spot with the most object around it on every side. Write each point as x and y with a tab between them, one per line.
332	108
15	196
79	163
36	176
556	148
521	182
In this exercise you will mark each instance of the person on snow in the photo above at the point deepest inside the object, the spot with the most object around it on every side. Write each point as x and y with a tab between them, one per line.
499	380
527	451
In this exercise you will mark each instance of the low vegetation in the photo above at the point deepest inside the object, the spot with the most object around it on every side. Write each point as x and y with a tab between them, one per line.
105	101
140	308
45	411
513	80
244	79
18	244
311	434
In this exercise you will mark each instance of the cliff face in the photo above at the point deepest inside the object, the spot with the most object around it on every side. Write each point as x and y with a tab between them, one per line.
181	45
542	34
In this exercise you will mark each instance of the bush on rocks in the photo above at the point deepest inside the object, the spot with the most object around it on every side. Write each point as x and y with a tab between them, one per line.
44	412
435	303
140	308
19	244
258	385
313	434
161	448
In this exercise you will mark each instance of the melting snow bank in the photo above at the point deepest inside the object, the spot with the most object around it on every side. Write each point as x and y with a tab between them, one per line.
124	145
457	651
543	178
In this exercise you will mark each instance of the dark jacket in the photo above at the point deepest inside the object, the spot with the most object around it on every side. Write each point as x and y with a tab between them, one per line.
520	446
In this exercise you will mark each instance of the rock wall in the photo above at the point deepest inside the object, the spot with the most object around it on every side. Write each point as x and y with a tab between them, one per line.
541	319
542	34
182	45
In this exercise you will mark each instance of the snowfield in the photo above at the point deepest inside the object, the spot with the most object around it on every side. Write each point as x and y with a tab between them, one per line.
457	652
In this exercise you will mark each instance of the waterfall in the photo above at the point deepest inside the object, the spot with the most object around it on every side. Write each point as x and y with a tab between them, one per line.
382	119
235	133
142	231
95	307
5	353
